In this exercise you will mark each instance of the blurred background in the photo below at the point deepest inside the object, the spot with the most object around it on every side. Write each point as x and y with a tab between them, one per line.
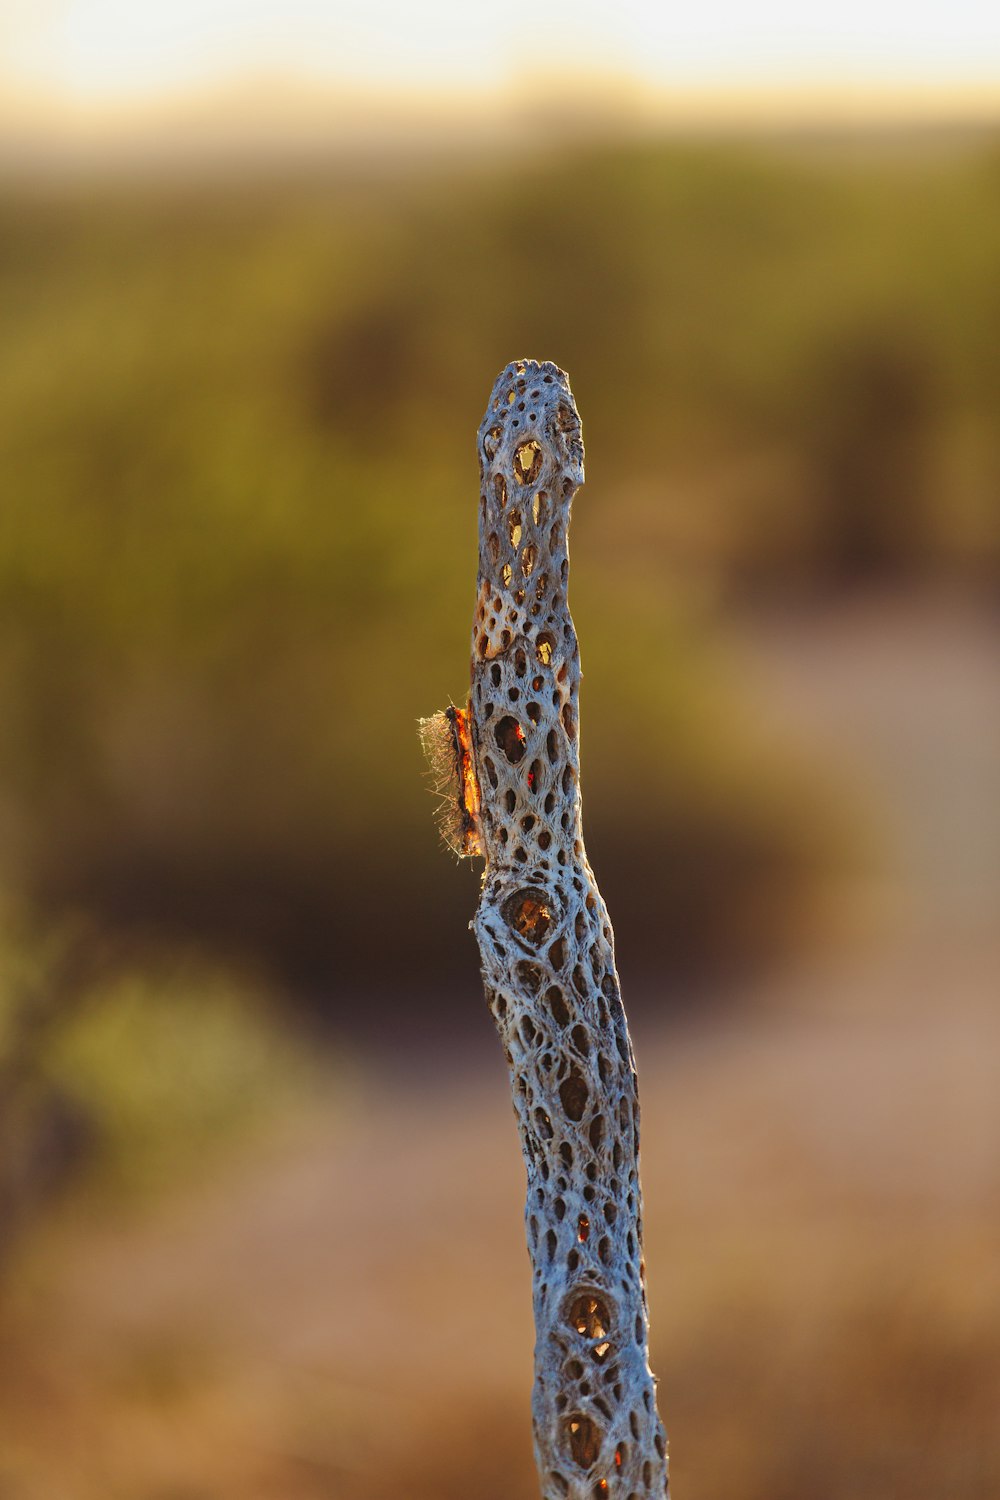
260	1188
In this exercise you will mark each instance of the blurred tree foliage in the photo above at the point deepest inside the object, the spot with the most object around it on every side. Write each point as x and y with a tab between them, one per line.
127	1068
237	537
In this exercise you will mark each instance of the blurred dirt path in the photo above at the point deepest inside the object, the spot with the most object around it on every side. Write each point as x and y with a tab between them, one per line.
903	697
349	1316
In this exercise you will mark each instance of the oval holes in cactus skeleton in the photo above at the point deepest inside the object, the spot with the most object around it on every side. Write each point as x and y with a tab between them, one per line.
574	1094
584	1440
588	1315
510	738
527	461
529	914
556	1002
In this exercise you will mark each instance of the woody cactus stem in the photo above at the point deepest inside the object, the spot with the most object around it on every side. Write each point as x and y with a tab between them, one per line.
548	962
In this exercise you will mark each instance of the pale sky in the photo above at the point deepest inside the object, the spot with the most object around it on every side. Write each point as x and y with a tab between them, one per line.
119	52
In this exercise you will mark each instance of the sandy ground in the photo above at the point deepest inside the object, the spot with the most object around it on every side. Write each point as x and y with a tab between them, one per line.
348	1314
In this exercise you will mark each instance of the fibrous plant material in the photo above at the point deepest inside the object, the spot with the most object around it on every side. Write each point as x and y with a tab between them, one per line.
511	793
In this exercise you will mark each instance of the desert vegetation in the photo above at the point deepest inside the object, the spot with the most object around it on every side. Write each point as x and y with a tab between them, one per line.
237	530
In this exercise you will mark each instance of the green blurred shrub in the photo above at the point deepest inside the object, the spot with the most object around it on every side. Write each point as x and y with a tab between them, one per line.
171	1068
128	1069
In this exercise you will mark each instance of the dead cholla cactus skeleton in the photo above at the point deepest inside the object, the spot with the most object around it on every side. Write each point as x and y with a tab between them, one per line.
508	769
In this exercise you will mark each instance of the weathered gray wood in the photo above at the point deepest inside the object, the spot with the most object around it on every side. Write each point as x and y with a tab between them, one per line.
547	953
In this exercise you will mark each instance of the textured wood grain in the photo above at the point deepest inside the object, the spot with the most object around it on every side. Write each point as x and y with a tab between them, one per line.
548	963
